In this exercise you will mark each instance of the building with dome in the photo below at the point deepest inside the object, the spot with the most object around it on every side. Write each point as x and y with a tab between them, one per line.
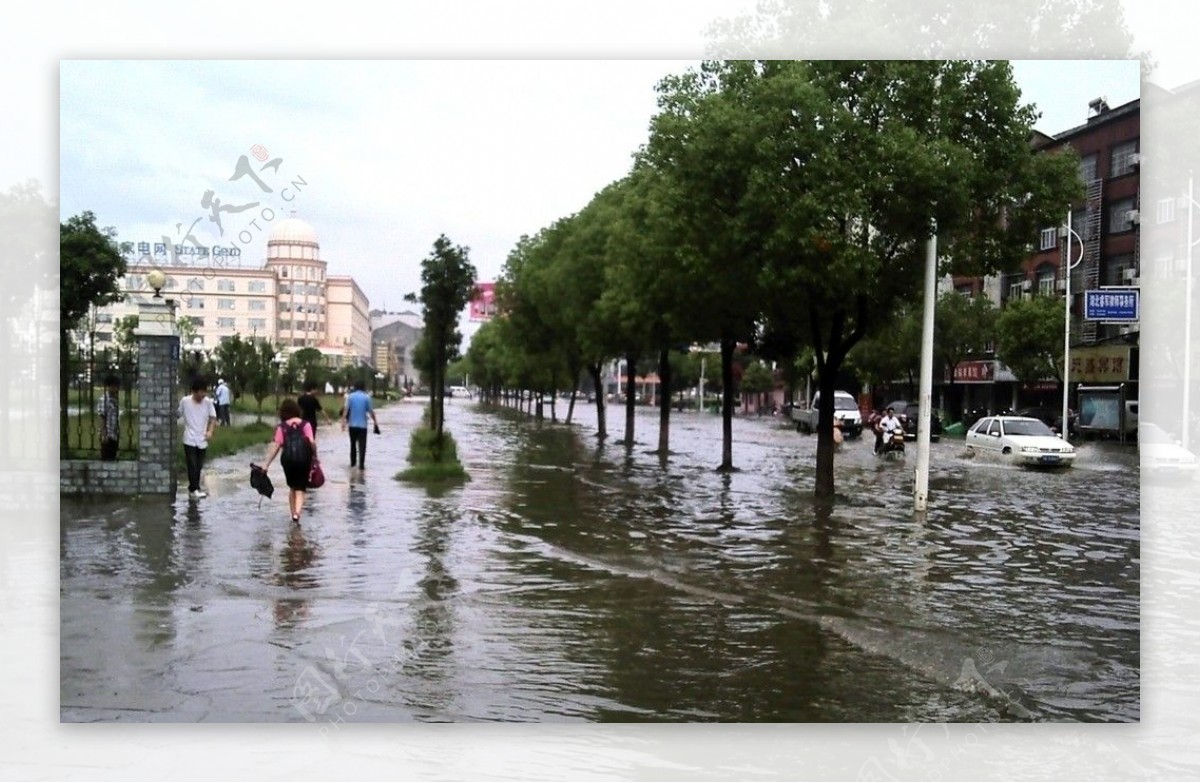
289	300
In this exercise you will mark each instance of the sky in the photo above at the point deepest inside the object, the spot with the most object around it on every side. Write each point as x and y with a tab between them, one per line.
383	157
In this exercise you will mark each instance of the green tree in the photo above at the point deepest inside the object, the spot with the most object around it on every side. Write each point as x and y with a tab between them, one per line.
447	284
964	326
123	329
893	352
235	358
851	165
308	365
261	378
1029	337
90	268
702	145
757	380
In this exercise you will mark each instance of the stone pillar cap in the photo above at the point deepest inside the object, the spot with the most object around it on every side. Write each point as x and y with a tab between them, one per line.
156	318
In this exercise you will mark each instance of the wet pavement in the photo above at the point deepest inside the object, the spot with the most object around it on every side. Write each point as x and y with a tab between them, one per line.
575	582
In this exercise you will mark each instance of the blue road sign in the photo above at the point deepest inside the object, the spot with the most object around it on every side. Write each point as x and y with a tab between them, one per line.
1111	304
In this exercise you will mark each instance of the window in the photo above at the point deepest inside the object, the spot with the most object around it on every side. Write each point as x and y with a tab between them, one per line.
1122	158
225	285
258	304
994	427
1015	287
197	322
195	303
1049	238
1079	226
258	324
1087	168
226	323
1166	210
283	271
171	283
1119	217
285	288
257	286
1046	275
224	304
1115	268
134	282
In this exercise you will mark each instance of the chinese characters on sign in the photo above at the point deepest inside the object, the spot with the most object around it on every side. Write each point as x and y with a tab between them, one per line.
1111	304
974	372
1100	364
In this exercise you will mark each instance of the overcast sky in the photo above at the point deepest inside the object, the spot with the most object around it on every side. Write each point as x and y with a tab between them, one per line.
382	157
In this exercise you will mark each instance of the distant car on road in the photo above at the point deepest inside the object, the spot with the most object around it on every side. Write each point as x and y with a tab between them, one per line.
458	391
1019	439
1162	456
909	414
845	412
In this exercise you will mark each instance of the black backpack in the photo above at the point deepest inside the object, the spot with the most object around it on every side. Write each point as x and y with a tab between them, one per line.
296	448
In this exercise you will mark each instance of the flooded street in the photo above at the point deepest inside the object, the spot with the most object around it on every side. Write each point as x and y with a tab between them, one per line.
575	582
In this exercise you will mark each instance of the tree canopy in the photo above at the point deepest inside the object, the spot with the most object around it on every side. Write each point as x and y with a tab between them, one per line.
90	268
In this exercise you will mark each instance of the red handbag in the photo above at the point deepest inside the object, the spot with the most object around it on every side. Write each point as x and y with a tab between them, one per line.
316	476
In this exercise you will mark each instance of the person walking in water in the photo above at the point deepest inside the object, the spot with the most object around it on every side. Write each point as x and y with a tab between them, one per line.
224	399
297	446
199	418
310	406
358	408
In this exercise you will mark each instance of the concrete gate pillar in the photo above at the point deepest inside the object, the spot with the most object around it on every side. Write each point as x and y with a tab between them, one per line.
158	367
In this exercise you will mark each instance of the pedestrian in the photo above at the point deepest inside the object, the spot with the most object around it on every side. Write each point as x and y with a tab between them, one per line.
110	414
310	406
358	408
223	400
199	418
297	446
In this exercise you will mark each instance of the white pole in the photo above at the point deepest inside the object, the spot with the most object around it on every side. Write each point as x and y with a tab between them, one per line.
1066	428
921	492
1187	323
701	384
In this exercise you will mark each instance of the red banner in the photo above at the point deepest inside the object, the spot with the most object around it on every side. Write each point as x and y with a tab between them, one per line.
483	306
975	371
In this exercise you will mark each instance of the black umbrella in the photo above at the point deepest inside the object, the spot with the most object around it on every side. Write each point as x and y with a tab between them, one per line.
261	481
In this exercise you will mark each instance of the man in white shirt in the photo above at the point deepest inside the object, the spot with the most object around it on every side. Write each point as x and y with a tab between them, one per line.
224	398
199	418
886	426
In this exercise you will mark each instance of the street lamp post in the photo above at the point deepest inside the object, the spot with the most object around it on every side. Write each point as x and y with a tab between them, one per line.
1068	234
1187	317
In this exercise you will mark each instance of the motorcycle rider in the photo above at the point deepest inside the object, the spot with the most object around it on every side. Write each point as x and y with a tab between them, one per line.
885	427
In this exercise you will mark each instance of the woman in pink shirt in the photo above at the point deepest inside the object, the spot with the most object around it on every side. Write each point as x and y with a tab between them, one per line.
294	438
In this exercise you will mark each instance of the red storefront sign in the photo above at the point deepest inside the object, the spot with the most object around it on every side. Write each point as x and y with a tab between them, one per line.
975	371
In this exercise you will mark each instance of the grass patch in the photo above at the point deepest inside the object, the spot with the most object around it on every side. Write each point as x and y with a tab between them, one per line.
430	465
330	403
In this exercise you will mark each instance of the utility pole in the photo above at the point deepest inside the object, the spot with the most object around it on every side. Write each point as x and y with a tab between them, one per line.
921	489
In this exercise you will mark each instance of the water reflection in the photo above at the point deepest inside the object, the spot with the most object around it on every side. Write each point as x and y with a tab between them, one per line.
576	580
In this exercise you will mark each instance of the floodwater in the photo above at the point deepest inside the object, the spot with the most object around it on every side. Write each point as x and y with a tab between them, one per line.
569	581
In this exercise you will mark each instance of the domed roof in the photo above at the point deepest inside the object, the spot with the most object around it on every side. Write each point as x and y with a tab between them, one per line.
293	230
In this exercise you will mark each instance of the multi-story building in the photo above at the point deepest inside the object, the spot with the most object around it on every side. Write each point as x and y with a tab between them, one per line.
1103	253
395	336
289	301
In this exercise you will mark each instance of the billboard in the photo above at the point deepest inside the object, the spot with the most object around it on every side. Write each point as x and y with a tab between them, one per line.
483	305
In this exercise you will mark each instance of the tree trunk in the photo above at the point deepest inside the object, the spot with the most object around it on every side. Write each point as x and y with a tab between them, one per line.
597	382
630	396
727	346
664	401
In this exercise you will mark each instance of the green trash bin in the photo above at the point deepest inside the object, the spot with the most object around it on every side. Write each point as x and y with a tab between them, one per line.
956	429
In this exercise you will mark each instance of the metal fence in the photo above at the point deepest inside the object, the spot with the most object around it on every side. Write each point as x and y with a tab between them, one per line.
84	377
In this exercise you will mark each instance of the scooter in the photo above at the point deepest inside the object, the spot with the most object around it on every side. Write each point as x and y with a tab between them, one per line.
893	445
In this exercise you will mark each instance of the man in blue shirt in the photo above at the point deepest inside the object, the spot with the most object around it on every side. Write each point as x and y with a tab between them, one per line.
224	398
358	408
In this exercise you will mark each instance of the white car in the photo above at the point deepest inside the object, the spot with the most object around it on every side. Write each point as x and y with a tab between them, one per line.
1161	454
1019	439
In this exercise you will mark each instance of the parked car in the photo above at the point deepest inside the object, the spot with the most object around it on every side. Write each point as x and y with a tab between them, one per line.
1162	456
1019	439
845	411
909	413
1051	417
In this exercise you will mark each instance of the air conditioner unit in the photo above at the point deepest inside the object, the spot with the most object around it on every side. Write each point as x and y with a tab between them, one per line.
1026	285
1060	285
1135	159
1133	216
1127	329
1130	275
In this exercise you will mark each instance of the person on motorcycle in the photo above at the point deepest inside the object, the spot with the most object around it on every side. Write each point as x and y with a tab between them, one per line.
885	427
